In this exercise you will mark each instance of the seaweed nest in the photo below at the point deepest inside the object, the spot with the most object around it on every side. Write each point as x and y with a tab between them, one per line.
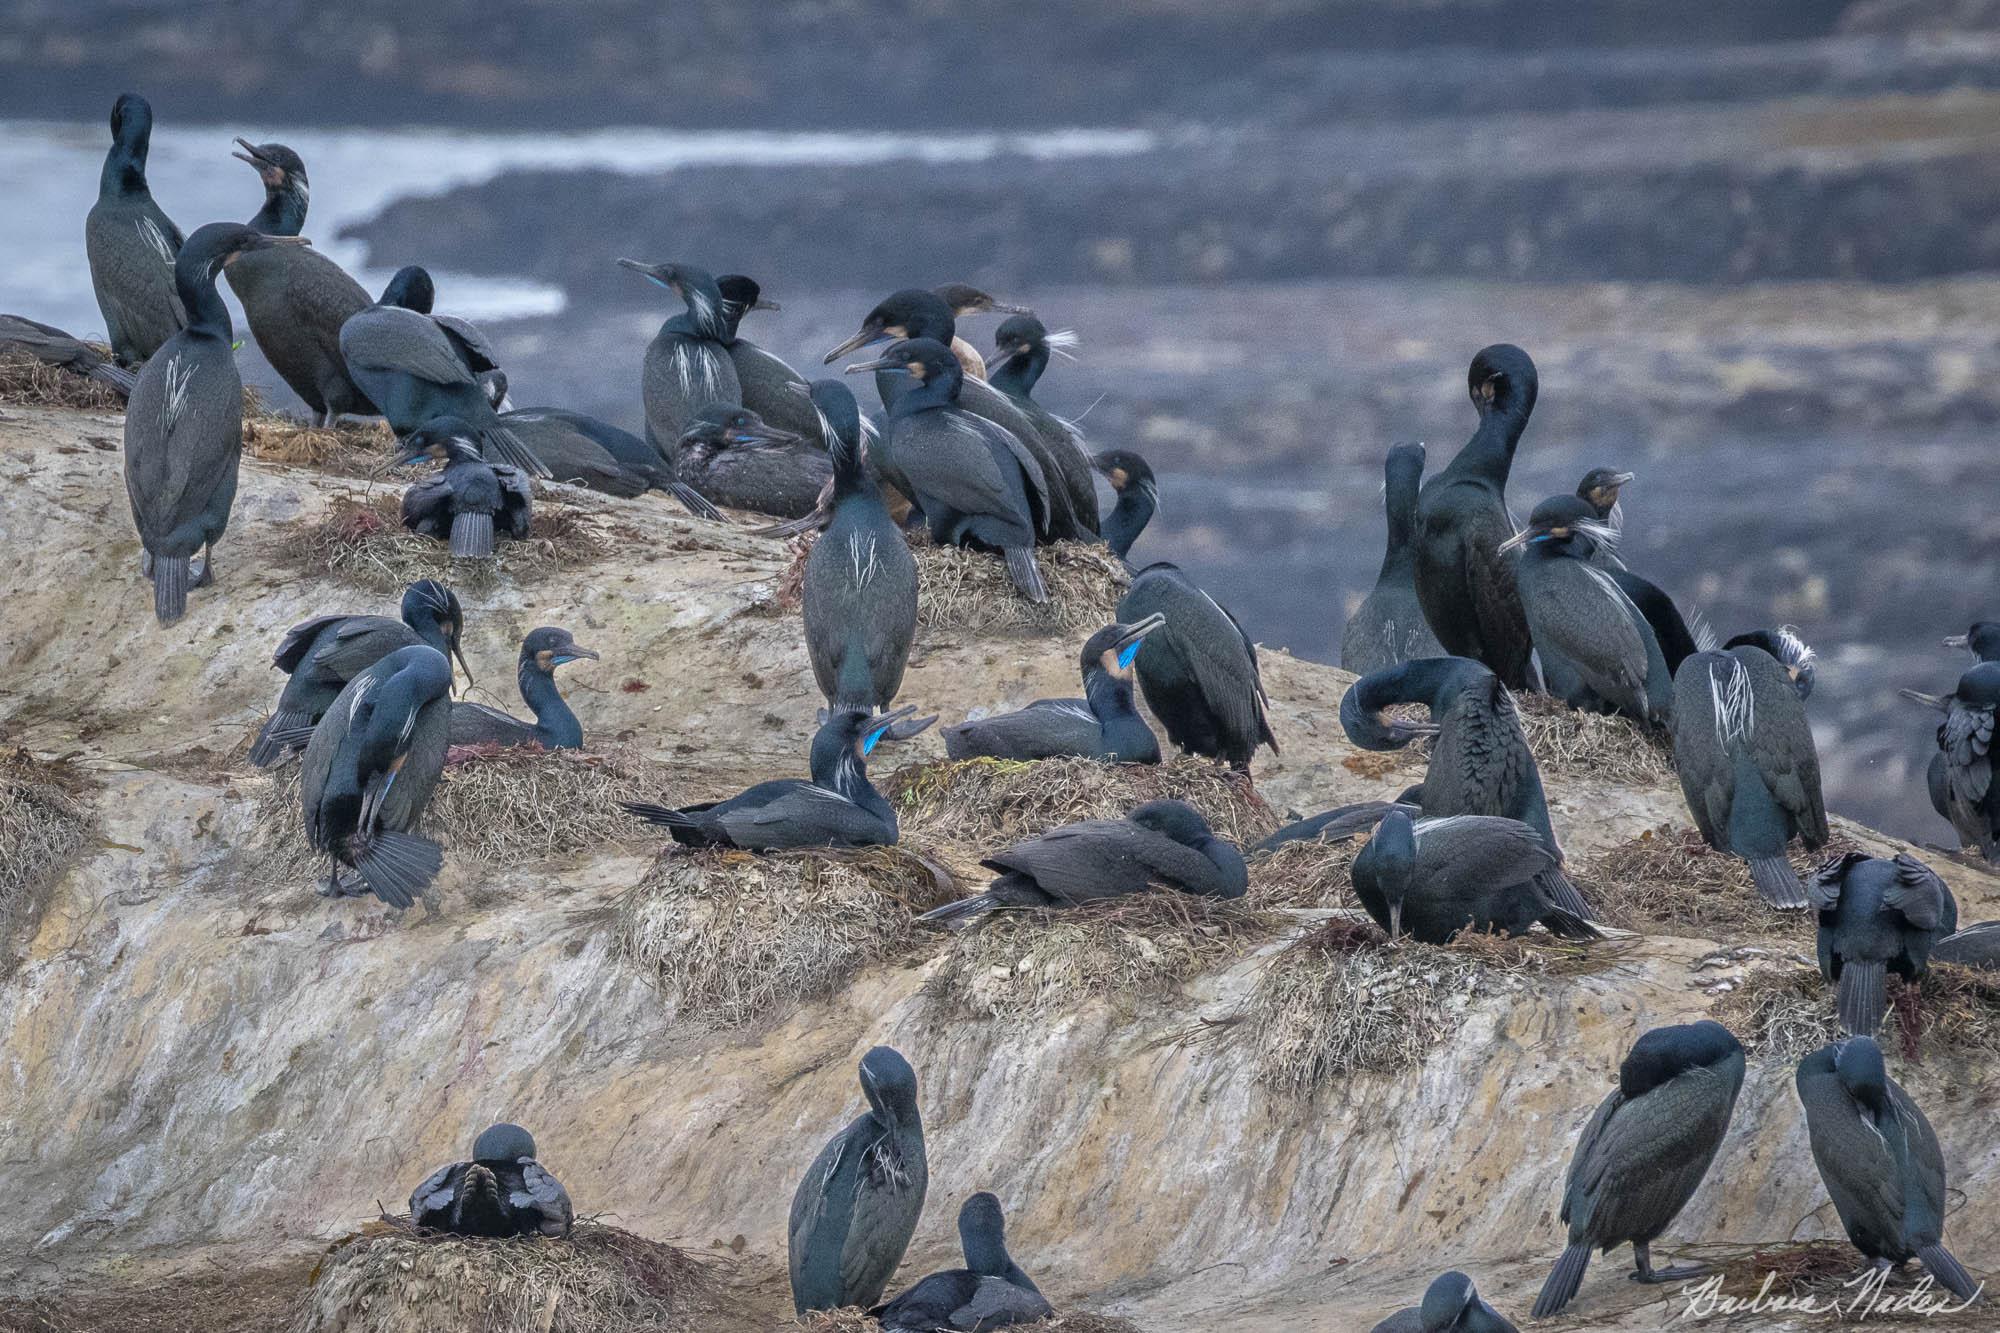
1035	961
1306	873
731	936
356	449
361	539
1668	878
851	1320
395	1276
1781	1014
969	591
28	381
42	823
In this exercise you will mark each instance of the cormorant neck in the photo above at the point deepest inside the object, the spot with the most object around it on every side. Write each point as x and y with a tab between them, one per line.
1118	721
941	391
195	281
124	174
1127	519
553	719
1490	451
850	475
284	210
1017	378
846	775
1400	504
986	1254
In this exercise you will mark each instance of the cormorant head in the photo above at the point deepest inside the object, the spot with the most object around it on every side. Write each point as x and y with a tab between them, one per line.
910	313
1445	1300
446	439
741	295
1857	1063
1392	853
1502	380
1019	336
1123	468
693	285
1983	639
411	289
132	122
1792	652
1980	687
1666	1052
723	426
429	602
965	301
840	417
215	247
278	166
1112	648
922	359
982	1234
1403	468
1173	819
1565	523
1364	708
889	1084
1599	488
503	1143
547	648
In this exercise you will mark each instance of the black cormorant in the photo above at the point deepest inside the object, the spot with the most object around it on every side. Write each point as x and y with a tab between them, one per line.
1961	777
1599	489
411	288
184	424
1199	669
1982	640
1343	822
21	337
856	1209
731	456
1451	1305
502	1191
1880	1161
470	502
1645	1151
965	301
555	727
990	1292
1877	916
1104	724
1389	626
1161	842
1138	493
582	449
1790	651
687	363
1437	877
370	769
1022	348
132	244
1973	946
766	384
1464	580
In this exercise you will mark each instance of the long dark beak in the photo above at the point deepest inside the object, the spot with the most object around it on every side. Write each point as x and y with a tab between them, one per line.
860	339
1002	308
651	272
883	363
1520	538
1621	478
1000	358
412	457
574	651
1395	918
250	154
1957	640
761	304
1140	629
891	727
1941	702
459	652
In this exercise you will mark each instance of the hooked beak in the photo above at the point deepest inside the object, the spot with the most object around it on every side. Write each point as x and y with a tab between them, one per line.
652	272
885	727
1001	358
248	153
993	307
890	364
1621	478
1395	918
761	304
572	652
1940	702
862	338
459	652
1521	538
1137	632
1958	640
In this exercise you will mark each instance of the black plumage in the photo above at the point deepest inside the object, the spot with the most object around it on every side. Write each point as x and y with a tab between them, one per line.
1646	1150
1973	946
1451	1305
502	1191
765	383
1104	724
687	363
1199	669
1962	785
131	244
1021	351
24	338
990	1292
732	457
1343	822
411	288
1138	493
1877	916
1599	489
1437	877
582	449
470	502
555	726
1389	626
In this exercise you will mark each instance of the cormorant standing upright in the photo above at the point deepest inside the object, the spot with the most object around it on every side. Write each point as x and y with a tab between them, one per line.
1199	669
1389	626
132	244
687	363
1022	348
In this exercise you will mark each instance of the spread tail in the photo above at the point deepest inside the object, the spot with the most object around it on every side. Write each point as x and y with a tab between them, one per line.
472	536
1563	1281
952	916
499	440
694	501
397	866
1564	894
1949	1272
1862	1002
1026	573
1777	882
479	1209
170	587
287	730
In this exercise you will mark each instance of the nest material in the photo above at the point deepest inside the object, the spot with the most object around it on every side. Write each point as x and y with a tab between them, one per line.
28	381
1306	873
355	449
1668	879
42	823
851	1320
1592	747
198	1299
732	936
361	540
961	591
395	1276
1782	1014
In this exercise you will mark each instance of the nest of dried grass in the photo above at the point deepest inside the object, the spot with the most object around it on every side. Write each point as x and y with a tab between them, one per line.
42	823
1593	746
395	1276
1668	879
361	540
1306	873
961	591
1026	962
732	936
28	381
1781	1014
1822	1269
852	1320
355	449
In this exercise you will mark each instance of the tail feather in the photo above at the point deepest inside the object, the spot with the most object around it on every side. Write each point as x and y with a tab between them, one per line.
961	913
1949	1272
287	729
1563	893
1862	999
1778	882
694	501
479	1209
1026	573
398	866
1563	1281
1569	926
499	440
117	377
665	816
170	587
472	536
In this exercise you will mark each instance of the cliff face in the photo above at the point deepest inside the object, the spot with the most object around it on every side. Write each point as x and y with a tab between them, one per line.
202	1058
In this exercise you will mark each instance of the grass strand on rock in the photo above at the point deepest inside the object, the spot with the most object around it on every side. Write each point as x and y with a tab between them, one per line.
42	823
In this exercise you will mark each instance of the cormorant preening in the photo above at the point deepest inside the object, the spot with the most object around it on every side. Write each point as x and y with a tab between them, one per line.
555	727
975	482
322	654
731	456
132	244
1021	353
184	424
1598	651
1438	877
1645	1151
1343	822
858	1205
1880	1161
1138	492
1788	648
1389	626
1877	916
1104	724
1199	669
1451	1305
370	769
1974	946
296	299
687	363
1961	777
767	386
1465	582
502	1191
860	598
837	808
21	337
990	1292
1744	752
411	288
1480	761
470	503
1161	842
1599	489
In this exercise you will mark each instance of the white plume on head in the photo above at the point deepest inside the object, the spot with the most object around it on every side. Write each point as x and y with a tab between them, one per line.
1061	341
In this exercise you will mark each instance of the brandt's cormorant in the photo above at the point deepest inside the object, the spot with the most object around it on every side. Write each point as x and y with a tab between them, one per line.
1877	916
975	482
1747	765
965	301
1597	649
1645	1151
1437	877
731	456
131	244
294	298
1465	581
1880	1161
589	452
1104	724
860	592
1199	669
470	503
370	769
184	424
990	1292
1961	778
856	1209
1138	492
322	654
1791	652
1982	640
768	387
1021	352
411	288
20	337
555	727
838	807
1451	1305
1161	842
502	1191
1389	626
1599	489
687	363
1974	946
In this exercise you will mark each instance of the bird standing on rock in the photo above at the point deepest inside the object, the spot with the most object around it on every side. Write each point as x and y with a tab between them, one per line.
1389	626
1877	916
470	503
687	363
1021	351
1104	724
1198	668
502	1191
555	727
131	244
